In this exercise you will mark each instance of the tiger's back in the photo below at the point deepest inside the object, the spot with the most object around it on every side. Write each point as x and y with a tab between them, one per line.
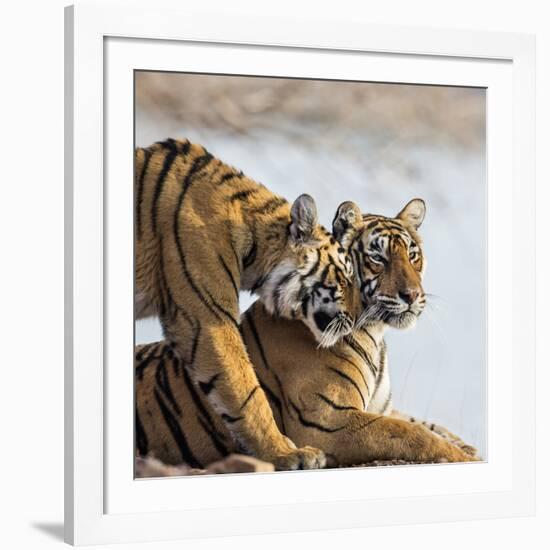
178	182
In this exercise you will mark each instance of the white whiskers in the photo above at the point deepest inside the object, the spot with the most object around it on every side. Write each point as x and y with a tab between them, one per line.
336	329
371	313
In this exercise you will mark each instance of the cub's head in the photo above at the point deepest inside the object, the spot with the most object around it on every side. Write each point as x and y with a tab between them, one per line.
388	262
313	280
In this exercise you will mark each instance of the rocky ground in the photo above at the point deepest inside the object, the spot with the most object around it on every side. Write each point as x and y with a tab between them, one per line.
150	467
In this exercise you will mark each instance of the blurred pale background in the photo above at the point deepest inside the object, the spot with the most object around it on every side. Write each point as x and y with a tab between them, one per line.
379	145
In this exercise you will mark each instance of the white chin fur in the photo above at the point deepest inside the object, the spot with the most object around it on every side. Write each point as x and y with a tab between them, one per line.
403	321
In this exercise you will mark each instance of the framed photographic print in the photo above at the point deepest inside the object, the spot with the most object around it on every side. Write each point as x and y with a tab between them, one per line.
296	294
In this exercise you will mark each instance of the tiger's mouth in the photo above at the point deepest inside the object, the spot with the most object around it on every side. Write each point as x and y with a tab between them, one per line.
404	320
394	317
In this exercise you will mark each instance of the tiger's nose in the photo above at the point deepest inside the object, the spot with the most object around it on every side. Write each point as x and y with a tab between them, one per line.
409	295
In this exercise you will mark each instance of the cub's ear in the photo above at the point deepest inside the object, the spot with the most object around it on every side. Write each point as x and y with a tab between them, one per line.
347	218
413	213
303	215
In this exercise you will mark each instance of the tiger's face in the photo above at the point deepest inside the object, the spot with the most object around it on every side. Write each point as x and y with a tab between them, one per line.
389	265
314	281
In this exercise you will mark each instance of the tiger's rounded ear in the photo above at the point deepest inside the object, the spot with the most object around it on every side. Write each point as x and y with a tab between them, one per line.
303	215
347	218
413	213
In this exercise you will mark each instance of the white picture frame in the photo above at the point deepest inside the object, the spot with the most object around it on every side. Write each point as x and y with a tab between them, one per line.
104	45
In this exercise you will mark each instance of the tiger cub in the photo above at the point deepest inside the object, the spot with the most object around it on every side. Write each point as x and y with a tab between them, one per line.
337	398
203	232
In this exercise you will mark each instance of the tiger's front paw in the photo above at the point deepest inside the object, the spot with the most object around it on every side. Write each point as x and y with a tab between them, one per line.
305	458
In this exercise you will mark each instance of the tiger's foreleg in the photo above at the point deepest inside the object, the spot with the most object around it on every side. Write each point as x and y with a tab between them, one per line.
222	370
355	437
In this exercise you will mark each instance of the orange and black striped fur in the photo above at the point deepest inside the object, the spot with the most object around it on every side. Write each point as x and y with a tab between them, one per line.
204	231
337	399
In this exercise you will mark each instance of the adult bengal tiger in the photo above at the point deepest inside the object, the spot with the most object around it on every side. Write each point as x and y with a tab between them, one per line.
204	231
337	399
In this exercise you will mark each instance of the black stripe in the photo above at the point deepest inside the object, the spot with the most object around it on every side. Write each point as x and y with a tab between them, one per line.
177	433
139	198
176	365
378	231
250	395
270	206
231	419
163	384
352	364
314	267
324	276
276	401
334	405
350	380
195	396
372	224
142	442
241	195
256	336
251	256
230	275
222	310
357	259
146	361
207	387
356	347
355	239
145	349
310	424
386	404
164	282
229	176
195	344
395	226
199	163
305	302
382	362
258	283
367	423
214	434
185	147
168	143
374	343
166	166
248	316
214	437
